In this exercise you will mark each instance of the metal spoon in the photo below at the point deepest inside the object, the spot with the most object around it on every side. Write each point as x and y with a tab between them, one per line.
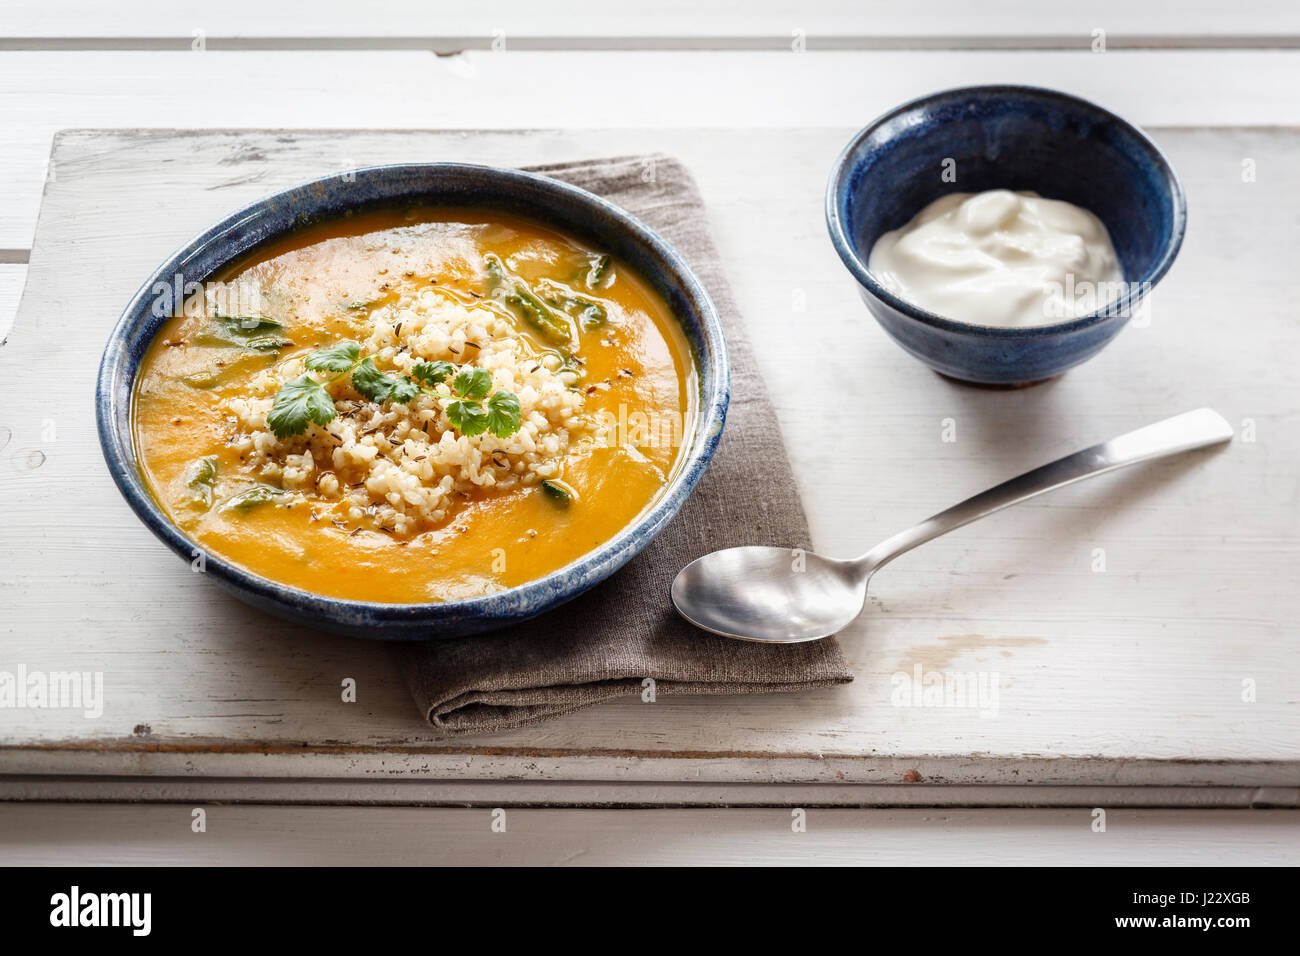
785	596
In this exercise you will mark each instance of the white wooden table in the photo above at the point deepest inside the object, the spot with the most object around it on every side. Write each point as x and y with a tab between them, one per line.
1118	689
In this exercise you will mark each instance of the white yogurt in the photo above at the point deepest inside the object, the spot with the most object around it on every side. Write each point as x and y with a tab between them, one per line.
1001	258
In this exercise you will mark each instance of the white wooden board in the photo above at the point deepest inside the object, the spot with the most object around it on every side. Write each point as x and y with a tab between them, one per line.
1131	677
466	791
145	835
442	22
42	92
12	277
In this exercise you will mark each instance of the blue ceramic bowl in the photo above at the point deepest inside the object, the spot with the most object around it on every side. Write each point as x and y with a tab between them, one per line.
553	203
1005	137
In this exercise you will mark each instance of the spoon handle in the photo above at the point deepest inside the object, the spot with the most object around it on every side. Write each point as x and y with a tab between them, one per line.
1169	437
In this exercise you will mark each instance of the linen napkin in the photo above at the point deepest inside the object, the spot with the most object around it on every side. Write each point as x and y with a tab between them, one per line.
605	643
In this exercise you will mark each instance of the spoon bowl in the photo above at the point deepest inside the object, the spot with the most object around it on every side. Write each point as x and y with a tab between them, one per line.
779	595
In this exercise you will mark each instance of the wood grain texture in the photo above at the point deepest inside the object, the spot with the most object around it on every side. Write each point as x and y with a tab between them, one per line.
469	792
90	834
12	277
1128	677
402	21
43	92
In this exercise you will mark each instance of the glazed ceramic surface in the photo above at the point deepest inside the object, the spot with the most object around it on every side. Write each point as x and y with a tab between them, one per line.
1005	137
556	204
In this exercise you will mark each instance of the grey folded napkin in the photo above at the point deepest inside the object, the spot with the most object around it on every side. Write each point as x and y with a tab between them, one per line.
606	643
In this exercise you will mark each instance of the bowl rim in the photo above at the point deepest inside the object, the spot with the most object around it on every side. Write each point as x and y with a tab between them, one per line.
512	604
1122	306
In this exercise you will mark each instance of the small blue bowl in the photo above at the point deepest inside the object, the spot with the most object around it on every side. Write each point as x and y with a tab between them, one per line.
548	201
1005	137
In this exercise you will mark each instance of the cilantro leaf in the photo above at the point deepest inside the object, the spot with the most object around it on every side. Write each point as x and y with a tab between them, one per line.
200	478
243	331
371	382
336	358
431	373
502	284
301	402
297	404
380	387
473	384
468	418
403	391
596	274
503	414
560	491
249	499
538	314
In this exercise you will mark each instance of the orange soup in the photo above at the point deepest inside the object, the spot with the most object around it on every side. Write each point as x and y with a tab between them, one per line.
415	405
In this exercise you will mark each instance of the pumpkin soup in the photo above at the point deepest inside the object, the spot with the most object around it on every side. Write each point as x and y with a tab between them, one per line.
416	405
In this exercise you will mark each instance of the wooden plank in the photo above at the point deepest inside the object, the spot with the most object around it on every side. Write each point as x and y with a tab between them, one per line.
944	778
143	834
577	793
41	93
1132	677
12	277
575	21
